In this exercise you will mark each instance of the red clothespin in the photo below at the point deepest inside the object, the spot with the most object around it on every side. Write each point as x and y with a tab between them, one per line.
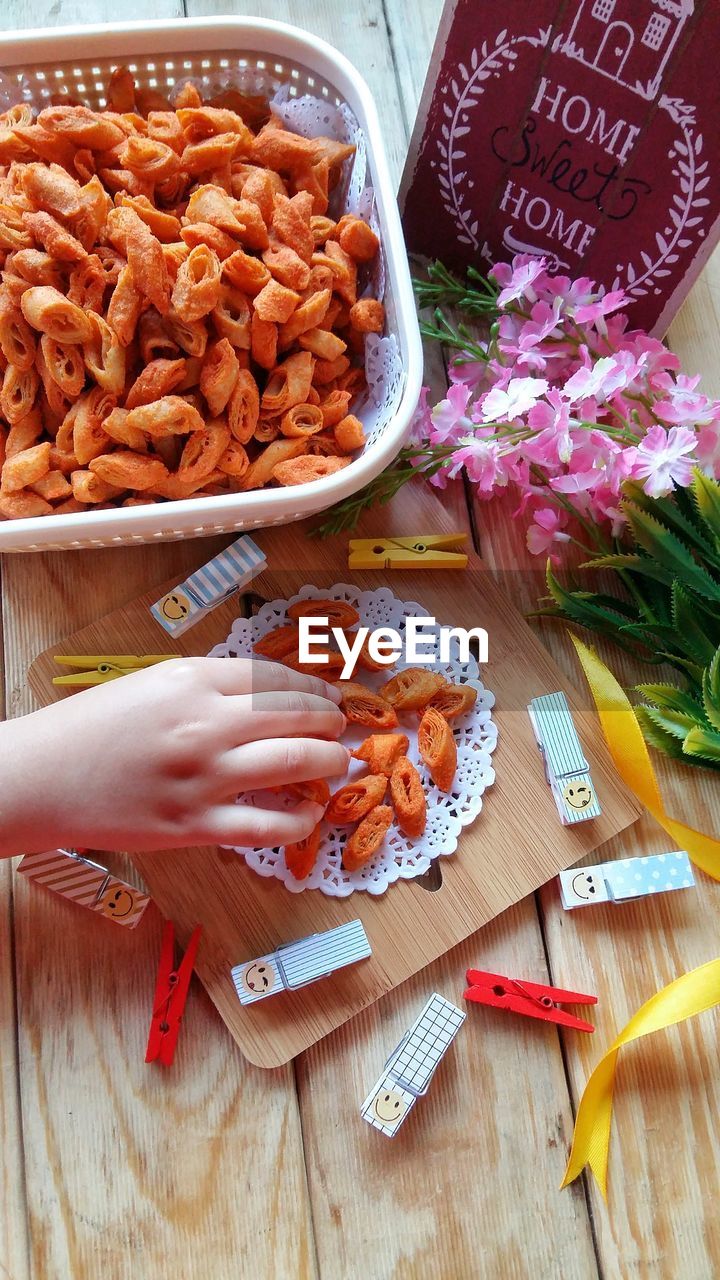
529	998
170	995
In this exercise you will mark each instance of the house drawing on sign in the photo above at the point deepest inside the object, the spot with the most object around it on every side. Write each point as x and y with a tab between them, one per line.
629	41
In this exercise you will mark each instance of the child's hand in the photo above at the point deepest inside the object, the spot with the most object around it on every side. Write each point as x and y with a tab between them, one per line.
154	760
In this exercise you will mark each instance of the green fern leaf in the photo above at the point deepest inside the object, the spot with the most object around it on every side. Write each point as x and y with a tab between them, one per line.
707	498
657	737
703	744
688	622
711	690
669	698
668	511
672	722
669	551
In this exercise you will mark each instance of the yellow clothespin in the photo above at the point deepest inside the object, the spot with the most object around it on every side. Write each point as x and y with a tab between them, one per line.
422	551
98	668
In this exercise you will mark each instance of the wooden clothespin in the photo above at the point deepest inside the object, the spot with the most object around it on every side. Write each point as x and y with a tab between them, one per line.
531	999
412	1065
87	883
298	963
173	982
98	668
222	577
626	878
421	551
566	769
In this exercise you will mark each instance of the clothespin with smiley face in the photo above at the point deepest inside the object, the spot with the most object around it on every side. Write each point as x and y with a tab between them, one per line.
566	769
296	964
222	577
72	875
625	879
412	1065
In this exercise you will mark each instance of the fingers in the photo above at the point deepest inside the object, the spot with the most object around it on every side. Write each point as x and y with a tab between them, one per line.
247	827
244	675
258	716
251	767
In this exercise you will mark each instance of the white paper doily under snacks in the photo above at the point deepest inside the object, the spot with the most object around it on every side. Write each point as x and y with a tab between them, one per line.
399	858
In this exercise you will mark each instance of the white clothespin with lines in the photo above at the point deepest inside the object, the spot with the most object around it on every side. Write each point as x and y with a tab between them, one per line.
625	879
566	768
412	1065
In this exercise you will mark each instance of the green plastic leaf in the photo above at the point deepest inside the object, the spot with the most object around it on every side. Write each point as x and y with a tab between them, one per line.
669	513
672	722
656	736
669	698
688	620
704	743
641	564
711	691
581	606
660	543
707	497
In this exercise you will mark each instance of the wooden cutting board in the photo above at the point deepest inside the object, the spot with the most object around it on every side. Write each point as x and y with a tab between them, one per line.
515	845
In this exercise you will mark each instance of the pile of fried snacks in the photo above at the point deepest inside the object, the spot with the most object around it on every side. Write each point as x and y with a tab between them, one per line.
362	803
179	316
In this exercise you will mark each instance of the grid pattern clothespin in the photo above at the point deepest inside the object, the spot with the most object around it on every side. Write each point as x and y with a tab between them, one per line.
625	879
223	576
296	964
566	769
411	1066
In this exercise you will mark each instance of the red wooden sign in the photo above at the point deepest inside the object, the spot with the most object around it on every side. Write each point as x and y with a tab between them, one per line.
583	130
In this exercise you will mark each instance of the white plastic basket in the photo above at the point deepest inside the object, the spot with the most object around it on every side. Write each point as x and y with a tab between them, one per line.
255	55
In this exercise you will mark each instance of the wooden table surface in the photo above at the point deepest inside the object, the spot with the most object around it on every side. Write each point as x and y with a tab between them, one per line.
217	1170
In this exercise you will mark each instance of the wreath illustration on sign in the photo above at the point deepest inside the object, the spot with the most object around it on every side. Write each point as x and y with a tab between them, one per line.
691	173
467	88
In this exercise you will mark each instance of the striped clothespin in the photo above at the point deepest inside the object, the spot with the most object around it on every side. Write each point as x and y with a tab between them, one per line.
223	576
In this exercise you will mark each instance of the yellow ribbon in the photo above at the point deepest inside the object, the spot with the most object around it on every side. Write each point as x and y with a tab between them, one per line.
693	993
690	994
632	761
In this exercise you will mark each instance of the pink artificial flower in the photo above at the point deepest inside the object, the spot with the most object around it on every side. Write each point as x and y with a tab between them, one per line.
596	381
517	279
481	460
449	417
551	419
661	459
708	449
421	421
683	405
546	529
591	312
503	405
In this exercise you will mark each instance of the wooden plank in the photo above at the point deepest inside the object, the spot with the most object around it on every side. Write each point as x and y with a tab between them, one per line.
597	950
14	1244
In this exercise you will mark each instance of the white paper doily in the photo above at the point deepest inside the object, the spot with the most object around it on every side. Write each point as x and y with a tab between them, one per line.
400	858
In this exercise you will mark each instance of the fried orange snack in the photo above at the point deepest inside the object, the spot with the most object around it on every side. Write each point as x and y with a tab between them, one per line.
412	689
454	700
278	642
154	260
338	612
408	798
367	838
354	801
381	751
368	316
438	748
306	469
362	706
300	858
